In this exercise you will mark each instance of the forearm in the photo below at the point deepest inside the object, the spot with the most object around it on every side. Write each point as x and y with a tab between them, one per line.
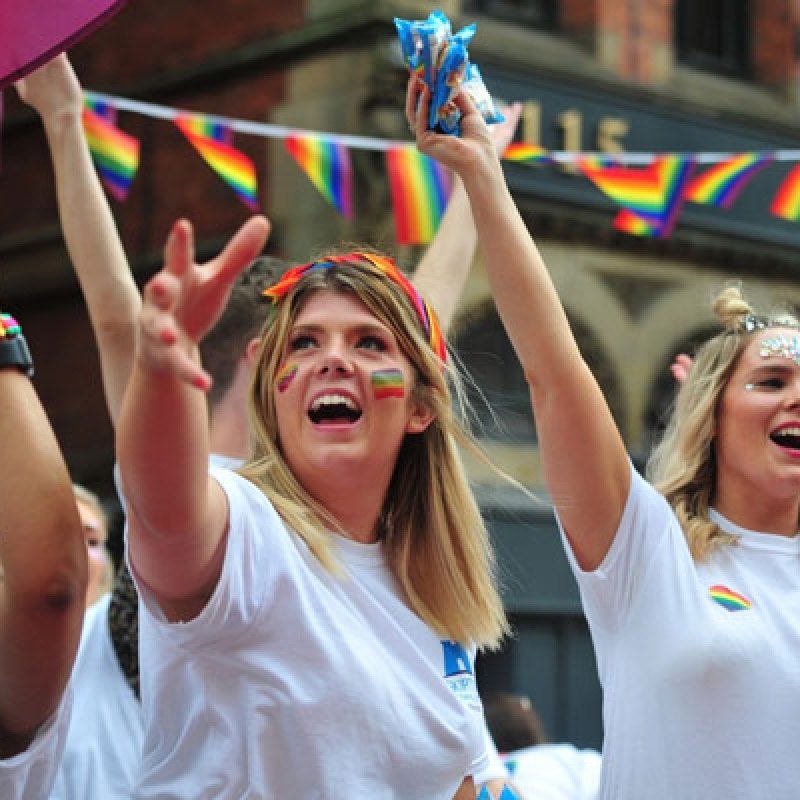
43	557
444	268
162	449
523	291
41	542
96	251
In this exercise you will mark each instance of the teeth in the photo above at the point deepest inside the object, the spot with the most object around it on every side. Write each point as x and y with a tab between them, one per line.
795	431
334	400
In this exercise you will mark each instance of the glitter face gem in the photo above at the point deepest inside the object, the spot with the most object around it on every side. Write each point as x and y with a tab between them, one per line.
387	383
285	376
782	345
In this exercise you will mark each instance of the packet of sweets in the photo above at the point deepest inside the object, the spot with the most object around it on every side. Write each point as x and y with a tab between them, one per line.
410	42
440	58
434	33
444	114
473	84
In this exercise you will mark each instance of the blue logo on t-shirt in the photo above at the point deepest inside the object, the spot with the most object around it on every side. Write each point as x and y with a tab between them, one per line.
456	659
458	673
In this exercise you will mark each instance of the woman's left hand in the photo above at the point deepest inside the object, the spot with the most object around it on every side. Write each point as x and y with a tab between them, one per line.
473	148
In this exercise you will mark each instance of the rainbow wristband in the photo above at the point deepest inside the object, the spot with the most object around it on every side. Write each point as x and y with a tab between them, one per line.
9	327
14	350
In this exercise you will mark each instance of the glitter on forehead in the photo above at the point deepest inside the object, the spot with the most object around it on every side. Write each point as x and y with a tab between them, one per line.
781	345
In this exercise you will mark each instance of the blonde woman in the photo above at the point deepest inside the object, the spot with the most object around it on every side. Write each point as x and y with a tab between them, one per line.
691	584
310	623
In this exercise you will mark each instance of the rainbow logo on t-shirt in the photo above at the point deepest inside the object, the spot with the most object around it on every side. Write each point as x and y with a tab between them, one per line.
728	599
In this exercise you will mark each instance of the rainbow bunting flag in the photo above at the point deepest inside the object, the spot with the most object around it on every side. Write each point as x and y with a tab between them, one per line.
419	188
786	202
102	108
629	222
524	153
721	183
114	152
654	193
213	140
327	164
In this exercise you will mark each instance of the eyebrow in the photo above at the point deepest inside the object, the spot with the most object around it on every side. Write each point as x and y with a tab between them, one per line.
366	327
770	369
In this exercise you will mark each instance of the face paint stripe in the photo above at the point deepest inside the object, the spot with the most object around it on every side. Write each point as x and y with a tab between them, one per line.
285	376
387	383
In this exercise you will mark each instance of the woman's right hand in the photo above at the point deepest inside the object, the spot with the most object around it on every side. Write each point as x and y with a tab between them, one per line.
183	301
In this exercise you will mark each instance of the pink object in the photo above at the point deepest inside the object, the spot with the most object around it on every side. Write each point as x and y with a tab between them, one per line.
34	31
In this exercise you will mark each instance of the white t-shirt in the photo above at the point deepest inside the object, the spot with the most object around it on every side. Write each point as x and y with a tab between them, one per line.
29	775
293	682
555	772
699	662
104	742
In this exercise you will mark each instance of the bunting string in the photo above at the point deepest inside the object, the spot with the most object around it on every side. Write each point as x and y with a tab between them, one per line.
649	188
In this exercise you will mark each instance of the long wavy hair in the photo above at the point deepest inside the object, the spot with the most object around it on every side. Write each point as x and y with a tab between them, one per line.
683	465
436	542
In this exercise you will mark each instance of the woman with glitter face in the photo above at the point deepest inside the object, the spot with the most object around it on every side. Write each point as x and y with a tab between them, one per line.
309	622
690	582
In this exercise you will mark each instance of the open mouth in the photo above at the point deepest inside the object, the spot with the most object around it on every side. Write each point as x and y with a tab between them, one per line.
787	437
330	409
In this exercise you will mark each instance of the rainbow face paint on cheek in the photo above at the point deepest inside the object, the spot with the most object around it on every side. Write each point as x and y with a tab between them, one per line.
285	376
387	383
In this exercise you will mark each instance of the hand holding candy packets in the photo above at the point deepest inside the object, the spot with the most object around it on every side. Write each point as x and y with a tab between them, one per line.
440	58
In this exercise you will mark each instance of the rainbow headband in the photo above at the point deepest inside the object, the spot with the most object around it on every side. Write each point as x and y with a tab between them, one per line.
387	267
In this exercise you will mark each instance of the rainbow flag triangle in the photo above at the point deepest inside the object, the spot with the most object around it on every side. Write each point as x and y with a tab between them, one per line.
114	152
628	221
327	164
213	140
786	202
653	194
721	183
102	108
420	188
524	153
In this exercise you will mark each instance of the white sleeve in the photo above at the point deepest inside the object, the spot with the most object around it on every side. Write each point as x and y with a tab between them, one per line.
494	769
30	775
647	529
257	541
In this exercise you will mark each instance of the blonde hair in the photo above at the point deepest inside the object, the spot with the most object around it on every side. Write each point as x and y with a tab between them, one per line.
436	541
682	466
90	499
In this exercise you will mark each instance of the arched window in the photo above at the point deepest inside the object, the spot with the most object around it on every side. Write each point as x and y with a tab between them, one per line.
486	352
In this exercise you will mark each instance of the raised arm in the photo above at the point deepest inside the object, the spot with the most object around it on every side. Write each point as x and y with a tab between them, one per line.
177	515
585	463
43	562
442	272
90	233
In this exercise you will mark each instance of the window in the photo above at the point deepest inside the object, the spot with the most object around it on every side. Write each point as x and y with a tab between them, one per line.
713	35
535	13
